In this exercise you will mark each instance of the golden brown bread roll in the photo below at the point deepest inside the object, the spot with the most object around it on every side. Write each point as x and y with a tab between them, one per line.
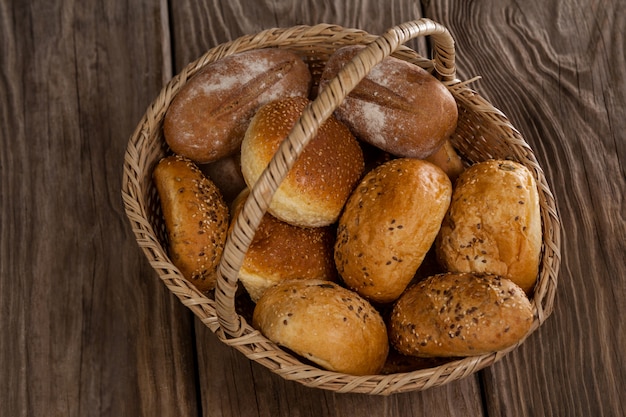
494	223
196	219
448	159
398	106
319	183
460	314
326	324
388	225
208	117
281	252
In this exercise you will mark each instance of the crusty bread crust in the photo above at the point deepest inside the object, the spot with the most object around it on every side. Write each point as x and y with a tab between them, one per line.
326	324
318	185
281	252
388	225
460	314
196	219
208	117
494	223
398	106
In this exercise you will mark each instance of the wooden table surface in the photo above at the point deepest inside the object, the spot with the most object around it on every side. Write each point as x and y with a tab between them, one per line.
88	329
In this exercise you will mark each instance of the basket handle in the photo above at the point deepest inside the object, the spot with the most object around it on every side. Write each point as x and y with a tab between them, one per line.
304	130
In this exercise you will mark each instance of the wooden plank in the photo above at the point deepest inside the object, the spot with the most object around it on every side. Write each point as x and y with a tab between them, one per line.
557	70
86	327
231	385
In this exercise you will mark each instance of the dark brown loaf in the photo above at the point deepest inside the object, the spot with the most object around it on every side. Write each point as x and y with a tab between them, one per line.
281	252
389	224
319	183
494	223
398	106
208	117
460	314
196	218
326	324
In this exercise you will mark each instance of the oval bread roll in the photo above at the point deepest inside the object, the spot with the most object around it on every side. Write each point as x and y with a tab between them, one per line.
389	223
196	219
281	252
494	223
460	314
318	185
398	107
208	117
326	324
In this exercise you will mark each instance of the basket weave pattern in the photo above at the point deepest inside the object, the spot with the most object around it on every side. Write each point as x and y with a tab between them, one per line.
483	133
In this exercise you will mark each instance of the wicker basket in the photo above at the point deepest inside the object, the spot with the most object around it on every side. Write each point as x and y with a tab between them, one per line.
483	132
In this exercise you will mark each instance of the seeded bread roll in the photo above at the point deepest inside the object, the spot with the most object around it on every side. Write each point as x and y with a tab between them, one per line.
281	252
460	314
196	219
398	106
208	117
494	223
388	225
326	324
318	185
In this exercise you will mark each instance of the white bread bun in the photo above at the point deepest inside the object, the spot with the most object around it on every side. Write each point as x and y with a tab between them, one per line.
494	223
460	314
208	117
196	219
281	252
326	324
318	185
389	224
398	107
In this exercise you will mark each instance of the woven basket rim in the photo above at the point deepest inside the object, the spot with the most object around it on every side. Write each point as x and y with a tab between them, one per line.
140	157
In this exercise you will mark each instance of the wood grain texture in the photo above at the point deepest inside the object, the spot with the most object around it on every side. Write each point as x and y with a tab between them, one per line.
557	70
86	330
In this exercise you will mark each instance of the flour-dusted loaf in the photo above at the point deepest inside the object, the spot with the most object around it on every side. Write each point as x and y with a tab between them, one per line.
460	314
398	107
208	117
280	252
318	185
326	324
196	218
388	225
494	223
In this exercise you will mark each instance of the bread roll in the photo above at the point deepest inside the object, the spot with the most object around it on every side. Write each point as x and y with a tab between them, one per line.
196	218
388	225
460	314
494	223
326	324
319	183
208	117
449	160
398	106
281	252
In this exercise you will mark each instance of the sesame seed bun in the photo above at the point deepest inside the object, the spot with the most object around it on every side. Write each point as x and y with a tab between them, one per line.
280	252
460	314
319	183
196	218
